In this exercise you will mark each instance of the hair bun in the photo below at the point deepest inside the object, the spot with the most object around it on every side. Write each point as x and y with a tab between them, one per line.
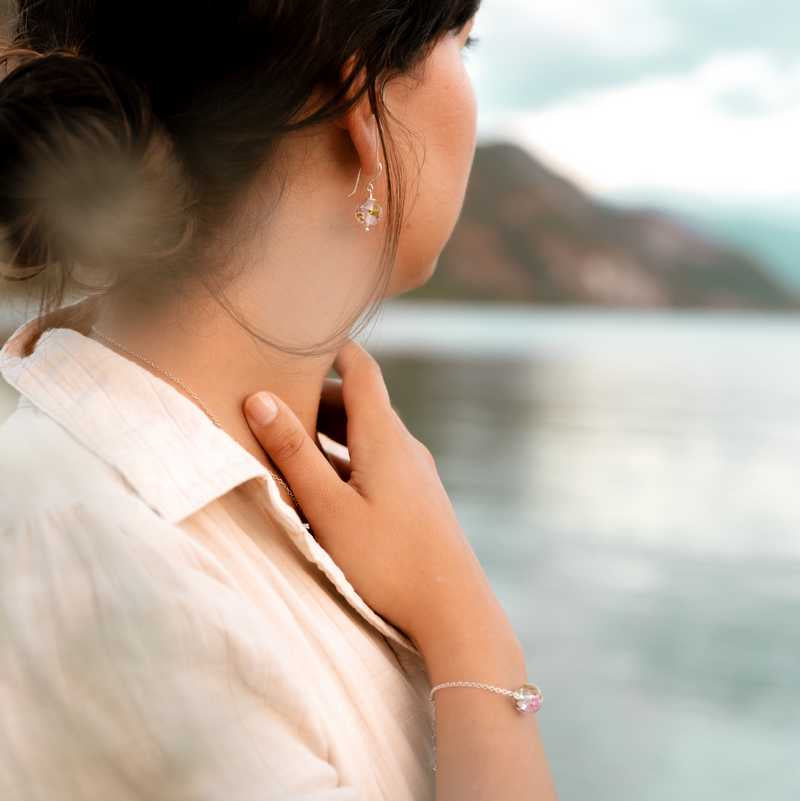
87	175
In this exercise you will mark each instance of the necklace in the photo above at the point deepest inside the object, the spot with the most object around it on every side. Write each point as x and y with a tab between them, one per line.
177	380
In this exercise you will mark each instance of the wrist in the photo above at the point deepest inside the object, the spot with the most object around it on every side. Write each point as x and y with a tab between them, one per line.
476	653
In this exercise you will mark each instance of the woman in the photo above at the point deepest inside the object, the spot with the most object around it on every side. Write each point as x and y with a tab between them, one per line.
198	599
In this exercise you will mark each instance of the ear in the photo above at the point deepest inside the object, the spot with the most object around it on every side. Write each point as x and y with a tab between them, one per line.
362	127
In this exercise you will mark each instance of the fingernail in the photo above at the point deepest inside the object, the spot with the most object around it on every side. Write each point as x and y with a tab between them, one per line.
261	408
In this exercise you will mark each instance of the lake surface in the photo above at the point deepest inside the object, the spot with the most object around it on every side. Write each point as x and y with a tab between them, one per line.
629	481
631	484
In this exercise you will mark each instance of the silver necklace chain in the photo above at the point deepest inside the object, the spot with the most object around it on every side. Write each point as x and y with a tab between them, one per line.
177	380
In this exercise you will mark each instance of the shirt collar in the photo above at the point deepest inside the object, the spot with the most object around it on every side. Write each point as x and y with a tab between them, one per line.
166	447
175	458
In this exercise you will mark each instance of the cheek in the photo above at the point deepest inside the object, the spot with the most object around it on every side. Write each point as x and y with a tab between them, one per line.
442	115
452	130
450	151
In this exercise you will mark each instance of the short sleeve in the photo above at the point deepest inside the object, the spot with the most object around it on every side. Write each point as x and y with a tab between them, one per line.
129	671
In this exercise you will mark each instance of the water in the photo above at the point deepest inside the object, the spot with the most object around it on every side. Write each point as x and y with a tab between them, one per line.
629	481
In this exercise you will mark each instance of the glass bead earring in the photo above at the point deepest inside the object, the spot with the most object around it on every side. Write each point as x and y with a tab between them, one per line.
369	212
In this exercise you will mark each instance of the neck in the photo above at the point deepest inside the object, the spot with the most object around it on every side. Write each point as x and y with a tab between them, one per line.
219	361
297	276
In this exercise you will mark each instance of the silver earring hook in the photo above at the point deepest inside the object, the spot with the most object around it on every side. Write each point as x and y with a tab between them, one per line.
358	178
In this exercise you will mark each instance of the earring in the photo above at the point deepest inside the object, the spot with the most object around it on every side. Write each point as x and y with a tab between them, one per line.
369	212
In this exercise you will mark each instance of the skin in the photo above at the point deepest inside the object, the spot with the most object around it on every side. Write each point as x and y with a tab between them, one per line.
300	273
306	264
420	573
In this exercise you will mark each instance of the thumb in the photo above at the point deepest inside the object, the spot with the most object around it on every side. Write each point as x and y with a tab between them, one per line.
314	481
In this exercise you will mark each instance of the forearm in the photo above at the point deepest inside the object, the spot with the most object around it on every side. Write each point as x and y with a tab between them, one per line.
486	750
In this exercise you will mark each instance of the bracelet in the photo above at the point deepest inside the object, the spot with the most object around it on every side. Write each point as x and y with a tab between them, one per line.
527	698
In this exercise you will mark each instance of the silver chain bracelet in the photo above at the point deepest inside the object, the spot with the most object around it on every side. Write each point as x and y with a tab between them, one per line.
527	698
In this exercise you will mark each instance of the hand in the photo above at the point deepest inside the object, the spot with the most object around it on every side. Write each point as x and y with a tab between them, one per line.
390	527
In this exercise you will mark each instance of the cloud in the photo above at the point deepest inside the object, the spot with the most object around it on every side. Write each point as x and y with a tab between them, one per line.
534	53
615	29
753	83
726	128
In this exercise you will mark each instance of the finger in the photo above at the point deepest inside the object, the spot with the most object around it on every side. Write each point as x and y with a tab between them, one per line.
314	481
364	391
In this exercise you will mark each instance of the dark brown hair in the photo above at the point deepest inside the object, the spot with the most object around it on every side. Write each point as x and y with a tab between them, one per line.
129	130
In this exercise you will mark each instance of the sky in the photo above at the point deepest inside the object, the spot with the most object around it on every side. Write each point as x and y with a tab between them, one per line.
697	100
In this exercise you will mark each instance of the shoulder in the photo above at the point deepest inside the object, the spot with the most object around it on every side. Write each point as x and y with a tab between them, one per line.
74	532
43	466
73	529
131	667
82	555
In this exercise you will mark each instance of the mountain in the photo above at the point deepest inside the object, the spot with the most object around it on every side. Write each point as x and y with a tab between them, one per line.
527	234
770	230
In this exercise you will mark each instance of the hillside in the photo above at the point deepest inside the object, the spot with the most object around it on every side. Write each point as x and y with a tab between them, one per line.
527	234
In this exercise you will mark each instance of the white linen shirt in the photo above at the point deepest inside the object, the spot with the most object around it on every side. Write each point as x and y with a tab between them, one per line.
169	629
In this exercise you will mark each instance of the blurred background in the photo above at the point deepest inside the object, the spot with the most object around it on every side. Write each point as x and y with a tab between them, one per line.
605	367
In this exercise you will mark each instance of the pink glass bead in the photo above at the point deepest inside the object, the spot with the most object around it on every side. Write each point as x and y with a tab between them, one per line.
528	698
368	213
